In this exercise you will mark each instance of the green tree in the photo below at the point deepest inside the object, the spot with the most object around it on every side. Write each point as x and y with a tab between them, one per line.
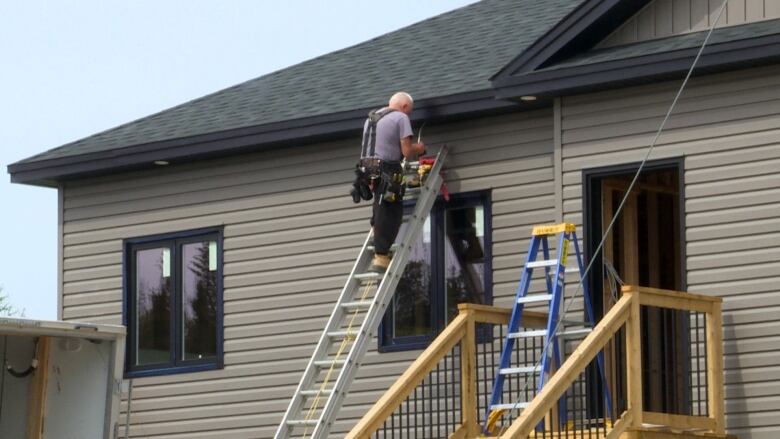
6	308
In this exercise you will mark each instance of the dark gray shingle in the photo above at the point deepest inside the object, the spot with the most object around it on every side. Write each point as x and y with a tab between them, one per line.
451	53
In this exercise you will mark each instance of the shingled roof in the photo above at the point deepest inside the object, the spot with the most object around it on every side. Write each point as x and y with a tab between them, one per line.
450	54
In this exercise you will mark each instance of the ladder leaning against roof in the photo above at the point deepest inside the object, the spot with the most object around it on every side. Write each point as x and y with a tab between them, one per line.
360	307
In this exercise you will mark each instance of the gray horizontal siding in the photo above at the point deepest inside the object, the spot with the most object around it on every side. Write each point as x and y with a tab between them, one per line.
291	234
727	128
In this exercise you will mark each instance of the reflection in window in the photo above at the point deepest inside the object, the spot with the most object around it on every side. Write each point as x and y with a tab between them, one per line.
464	257
449	264
199	297
153	295
411	301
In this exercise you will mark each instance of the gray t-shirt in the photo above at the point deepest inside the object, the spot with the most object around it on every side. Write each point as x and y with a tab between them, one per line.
389	132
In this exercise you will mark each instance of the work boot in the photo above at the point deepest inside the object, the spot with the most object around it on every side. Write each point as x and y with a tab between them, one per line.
379	263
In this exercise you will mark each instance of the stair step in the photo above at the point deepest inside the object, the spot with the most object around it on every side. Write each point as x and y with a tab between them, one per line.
517	406
361	304
568	333
300	422
316	392
535	298
544	263
369	276
342	334
520	370
328	363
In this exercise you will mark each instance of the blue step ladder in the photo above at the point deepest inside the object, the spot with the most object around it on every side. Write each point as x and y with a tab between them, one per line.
553	269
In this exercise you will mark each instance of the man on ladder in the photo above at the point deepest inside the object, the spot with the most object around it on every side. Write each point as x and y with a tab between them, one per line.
387	138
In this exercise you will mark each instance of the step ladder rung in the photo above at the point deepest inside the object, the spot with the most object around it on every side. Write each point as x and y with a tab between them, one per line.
342	334
544	263
535	298
528	334
316	392
516	406
361	304
368	276
301	422
569	333
520	370
328	363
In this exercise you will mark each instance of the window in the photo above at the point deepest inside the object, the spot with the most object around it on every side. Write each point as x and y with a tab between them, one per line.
173	303
449	264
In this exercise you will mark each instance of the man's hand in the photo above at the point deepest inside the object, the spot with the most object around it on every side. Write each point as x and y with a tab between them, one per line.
419	148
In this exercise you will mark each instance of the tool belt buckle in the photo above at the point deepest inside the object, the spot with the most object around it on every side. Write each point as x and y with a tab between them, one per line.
371	166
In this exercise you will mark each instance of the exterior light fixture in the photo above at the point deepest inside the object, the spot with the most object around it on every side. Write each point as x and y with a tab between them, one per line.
527	98
162	162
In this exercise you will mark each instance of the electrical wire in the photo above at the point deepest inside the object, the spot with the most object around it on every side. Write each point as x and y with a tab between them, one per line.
625	197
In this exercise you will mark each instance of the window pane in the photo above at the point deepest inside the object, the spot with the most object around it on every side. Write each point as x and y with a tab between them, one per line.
411	301
199	296
464	257
153	304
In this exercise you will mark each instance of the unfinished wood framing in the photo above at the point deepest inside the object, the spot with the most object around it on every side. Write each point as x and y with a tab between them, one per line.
36	405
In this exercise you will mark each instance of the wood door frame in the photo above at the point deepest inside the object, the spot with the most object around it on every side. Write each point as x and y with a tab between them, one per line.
592	221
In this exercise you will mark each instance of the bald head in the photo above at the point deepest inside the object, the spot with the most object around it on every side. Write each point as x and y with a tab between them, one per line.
401	101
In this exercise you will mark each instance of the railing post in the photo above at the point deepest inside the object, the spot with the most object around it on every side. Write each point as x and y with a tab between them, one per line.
634	359
468	377
715	400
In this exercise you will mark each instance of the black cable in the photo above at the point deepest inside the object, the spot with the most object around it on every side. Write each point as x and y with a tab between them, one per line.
27	372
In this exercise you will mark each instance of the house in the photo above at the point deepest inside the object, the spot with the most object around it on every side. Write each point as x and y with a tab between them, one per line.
220	231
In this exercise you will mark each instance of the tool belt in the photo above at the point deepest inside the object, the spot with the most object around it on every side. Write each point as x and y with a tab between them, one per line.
375	176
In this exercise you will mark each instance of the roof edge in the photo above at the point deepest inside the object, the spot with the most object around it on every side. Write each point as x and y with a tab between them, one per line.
665	65
305	130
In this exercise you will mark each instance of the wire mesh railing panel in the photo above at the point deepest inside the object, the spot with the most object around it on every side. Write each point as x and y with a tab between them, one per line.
433	409
699	372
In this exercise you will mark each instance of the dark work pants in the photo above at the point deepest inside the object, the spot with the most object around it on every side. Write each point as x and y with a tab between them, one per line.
386	221
387	217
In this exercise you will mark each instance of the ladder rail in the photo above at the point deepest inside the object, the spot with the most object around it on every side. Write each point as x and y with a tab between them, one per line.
296	402
428	193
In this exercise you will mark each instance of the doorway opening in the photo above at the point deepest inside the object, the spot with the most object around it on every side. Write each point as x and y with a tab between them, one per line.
644	248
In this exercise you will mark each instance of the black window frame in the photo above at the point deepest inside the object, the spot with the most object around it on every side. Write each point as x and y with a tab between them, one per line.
176	363
386	342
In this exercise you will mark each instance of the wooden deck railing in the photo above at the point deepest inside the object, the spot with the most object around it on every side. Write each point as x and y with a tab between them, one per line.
463	332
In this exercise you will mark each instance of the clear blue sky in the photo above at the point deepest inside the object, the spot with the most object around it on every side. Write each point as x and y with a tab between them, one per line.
70	68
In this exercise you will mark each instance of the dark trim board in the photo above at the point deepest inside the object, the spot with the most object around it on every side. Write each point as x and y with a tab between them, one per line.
641	70
242	140
579	31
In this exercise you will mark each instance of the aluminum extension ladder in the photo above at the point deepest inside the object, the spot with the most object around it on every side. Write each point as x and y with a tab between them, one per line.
554	332
354	320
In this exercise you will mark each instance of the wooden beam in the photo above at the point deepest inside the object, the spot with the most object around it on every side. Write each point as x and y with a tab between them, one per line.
571	369
500	316
406	383
634	359
715	399
36	404
460	433
678	421
672	294
626	420
468	378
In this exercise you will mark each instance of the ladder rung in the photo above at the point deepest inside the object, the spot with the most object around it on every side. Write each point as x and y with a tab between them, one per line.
526	334
520	370
517	406
298	422
393	247
365	304
535	298
342	334
545	263
369	276
328	363
316	392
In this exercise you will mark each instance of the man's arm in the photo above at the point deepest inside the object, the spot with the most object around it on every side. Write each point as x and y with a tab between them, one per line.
411	150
